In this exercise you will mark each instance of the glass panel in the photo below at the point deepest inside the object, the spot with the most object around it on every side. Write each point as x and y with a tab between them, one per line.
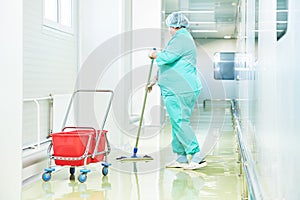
50	10
66	12
282	17
224	68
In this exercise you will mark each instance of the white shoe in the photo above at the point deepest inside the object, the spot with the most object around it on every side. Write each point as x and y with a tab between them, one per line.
194	165
175	164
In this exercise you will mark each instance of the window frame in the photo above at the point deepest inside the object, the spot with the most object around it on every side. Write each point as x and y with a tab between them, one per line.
47	23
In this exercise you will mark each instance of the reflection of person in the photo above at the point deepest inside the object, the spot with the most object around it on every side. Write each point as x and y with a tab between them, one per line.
180	87
186	186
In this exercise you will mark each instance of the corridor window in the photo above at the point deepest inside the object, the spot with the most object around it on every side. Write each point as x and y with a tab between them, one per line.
224	65
282	18
58	15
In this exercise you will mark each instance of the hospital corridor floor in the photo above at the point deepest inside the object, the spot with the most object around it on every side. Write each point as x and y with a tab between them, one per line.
219	180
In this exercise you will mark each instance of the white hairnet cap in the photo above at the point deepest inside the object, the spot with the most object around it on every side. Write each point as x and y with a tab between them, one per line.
177	20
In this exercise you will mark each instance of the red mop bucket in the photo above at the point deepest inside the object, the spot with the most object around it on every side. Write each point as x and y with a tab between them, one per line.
74	144
101	146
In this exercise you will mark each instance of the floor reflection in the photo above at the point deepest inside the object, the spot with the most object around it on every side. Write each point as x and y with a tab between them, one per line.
77	190
186	185
151	180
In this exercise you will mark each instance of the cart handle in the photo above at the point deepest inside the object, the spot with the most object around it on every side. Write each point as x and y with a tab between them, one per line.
78	127
90	91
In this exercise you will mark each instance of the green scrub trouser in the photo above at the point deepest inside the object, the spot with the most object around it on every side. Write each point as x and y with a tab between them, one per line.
179	108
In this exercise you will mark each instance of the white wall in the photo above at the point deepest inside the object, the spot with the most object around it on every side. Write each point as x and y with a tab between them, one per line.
50	66
98	22
279	94
288	106
11	78
146	15
270	119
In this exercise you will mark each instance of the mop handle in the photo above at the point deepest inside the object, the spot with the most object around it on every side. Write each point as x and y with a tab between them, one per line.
144	105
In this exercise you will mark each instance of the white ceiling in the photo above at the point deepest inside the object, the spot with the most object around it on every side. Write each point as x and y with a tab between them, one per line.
208	18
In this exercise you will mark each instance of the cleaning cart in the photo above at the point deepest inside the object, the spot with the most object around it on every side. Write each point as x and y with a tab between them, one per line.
79	145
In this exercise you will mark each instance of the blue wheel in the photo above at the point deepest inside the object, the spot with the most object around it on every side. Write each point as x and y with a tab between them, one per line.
82	177
46	176
105	171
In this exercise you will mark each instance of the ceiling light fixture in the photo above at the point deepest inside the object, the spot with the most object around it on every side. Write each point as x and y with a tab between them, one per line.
204	31
202	22
197	11
260	31
282	11
281	22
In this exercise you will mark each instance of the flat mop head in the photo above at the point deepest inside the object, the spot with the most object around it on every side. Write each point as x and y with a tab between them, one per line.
134	157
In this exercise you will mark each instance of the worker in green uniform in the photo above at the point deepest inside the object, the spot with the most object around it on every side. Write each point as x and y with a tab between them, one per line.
180	87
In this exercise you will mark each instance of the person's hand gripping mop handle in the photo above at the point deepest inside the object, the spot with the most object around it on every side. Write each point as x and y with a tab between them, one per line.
135	150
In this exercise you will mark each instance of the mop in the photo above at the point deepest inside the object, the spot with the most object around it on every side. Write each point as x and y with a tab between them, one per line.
135	157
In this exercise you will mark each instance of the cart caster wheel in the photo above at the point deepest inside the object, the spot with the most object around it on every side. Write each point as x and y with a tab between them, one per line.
82	177
46	176
105	171
72	170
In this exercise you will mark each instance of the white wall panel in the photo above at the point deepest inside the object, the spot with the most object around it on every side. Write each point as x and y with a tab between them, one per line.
270	119
99	21
11	65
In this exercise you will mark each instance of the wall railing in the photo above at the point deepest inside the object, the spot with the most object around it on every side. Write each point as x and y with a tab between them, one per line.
36	144
252	189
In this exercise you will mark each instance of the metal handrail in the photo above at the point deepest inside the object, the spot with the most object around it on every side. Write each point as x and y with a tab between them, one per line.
38	137
248	165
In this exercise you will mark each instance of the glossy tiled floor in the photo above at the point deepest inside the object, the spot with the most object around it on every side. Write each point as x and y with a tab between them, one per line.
150	180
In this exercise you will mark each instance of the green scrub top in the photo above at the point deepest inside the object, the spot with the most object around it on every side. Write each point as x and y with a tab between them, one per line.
177	65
